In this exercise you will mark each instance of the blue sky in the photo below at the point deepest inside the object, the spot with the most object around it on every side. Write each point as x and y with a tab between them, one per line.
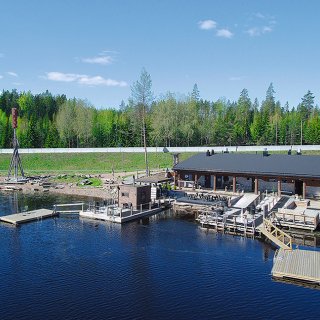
96	49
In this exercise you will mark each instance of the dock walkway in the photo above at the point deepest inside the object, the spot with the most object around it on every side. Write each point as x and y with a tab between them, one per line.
125	216
23	217
301	265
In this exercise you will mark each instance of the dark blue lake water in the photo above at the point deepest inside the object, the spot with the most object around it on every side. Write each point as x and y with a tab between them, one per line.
68	268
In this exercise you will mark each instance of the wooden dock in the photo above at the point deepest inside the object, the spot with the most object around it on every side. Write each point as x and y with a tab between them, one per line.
298	265
125	216
23	217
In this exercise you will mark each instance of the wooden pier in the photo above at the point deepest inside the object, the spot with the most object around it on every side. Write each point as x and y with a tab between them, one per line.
298	265
24	217
124	216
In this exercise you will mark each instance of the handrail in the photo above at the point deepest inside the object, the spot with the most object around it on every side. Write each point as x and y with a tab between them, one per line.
273	231
63	205
69	204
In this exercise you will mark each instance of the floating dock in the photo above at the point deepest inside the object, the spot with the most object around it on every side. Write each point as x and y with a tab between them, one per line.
125	216
23	217
297	265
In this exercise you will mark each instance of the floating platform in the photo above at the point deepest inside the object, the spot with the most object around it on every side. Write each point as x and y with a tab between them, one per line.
297	265
126	215
28	216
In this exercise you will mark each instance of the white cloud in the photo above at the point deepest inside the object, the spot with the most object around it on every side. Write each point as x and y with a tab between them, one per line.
266	29
207	24
103	60
12	74
84	79
100	81
253	32
263	24
235	78
224	33
259	31
64	77
259	15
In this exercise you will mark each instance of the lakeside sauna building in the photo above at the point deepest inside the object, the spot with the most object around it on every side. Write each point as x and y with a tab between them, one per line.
282	173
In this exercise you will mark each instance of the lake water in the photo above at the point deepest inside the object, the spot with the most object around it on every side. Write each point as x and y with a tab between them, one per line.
68	268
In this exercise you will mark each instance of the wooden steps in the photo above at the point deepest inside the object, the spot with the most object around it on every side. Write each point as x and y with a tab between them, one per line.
276	235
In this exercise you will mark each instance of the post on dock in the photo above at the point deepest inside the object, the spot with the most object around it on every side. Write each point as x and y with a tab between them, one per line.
256	185
304	187
279	187
214	182
234	181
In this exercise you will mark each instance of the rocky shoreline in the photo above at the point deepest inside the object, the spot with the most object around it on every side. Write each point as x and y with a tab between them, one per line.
44	184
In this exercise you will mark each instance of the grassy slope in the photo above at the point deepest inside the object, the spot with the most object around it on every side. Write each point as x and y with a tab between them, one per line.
89	162
94	162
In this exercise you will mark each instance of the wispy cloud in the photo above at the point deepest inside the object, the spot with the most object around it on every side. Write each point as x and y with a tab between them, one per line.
259	31
212	25
236	78
207	24
12	74
259	15
262	24
1	77
103	60
84	79
224	33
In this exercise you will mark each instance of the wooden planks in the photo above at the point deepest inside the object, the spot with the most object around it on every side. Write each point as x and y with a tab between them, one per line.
276	235
28	216
303	265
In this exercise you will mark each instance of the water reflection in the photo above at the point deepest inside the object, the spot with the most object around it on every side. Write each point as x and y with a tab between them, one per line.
166	268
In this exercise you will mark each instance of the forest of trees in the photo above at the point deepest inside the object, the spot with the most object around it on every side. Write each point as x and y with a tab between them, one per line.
46	120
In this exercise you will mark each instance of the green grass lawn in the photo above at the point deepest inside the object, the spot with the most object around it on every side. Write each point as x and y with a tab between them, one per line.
89	162
94	162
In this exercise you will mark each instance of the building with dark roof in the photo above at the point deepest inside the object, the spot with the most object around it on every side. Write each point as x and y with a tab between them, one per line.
297	174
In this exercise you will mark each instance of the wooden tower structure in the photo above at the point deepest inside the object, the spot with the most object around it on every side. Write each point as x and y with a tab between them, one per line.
15	164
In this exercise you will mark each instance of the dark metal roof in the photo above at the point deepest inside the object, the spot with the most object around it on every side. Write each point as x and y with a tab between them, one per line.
250	164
